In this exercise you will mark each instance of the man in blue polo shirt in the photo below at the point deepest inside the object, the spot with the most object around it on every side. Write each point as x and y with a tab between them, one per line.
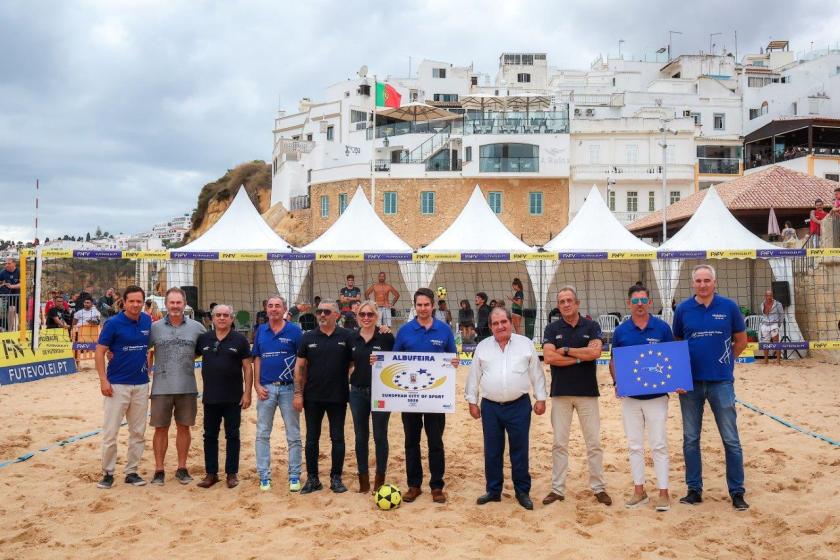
424	333
275	350
644	411
716	335
125	385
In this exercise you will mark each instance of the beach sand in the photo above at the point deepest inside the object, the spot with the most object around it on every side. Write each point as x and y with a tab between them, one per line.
51	508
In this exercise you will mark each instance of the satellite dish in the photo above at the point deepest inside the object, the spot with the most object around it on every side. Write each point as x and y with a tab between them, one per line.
363	71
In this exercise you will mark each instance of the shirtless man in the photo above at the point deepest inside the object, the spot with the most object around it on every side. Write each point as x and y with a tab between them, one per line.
382	295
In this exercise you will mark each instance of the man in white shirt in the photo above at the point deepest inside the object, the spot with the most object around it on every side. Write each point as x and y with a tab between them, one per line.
505	367
87	315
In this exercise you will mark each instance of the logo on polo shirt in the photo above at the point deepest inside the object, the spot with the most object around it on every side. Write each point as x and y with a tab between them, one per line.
719	316
145	332
342	343
558	337
436	342
313	345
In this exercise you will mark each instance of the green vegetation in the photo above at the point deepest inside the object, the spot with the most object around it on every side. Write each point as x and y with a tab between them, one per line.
255	175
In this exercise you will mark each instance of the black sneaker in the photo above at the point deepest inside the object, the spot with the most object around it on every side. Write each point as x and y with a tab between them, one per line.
337	486
183	476
134	479
693	498
739	503
106	482
158	479
311	485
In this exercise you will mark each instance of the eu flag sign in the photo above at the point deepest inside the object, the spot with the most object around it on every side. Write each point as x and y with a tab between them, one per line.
652	368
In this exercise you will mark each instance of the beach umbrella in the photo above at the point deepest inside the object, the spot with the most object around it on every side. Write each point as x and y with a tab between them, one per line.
528	101
773	224
483	102
417	111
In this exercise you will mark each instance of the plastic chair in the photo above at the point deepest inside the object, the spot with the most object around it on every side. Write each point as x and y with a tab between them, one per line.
753	323
608	324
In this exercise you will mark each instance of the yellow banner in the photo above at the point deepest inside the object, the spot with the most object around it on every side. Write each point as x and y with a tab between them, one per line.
732	254
57	253
19	364
339	256
828	252
242	256
630	255
160	254
825	345
533	256
437	257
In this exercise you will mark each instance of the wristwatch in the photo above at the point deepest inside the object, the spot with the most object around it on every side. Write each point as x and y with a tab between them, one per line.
565	350
577	360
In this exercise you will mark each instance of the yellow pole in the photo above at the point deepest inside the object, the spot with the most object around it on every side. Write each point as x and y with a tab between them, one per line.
22	299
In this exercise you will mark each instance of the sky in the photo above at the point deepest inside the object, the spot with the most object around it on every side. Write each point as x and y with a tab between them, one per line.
124	109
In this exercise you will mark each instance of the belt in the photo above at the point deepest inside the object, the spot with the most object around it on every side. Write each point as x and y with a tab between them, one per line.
524	396
282	383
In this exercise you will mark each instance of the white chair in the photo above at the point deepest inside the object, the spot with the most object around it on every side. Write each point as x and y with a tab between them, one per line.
753	323
608	324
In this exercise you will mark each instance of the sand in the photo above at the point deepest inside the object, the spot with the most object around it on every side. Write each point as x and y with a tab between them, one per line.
50	507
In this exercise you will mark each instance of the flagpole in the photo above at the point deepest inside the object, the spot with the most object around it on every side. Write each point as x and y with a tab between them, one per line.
373	150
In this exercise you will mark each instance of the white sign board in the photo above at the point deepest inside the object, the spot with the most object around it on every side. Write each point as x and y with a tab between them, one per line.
413	382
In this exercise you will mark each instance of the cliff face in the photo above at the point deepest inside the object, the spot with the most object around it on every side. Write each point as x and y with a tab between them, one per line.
215	198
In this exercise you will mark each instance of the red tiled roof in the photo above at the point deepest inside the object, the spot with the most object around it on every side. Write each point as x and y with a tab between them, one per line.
776	187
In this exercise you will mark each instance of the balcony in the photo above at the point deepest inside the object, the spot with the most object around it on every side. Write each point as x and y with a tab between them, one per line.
597	99
483	123
509	164
628	217
294	148
719	166
631	172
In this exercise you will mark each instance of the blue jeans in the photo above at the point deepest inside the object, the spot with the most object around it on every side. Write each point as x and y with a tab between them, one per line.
360	408
278	396
721	397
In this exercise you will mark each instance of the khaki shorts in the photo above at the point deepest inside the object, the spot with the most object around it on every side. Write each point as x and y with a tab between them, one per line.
184	407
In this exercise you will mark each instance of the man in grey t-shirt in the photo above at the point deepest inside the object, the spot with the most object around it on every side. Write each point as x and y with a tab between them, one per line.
172	343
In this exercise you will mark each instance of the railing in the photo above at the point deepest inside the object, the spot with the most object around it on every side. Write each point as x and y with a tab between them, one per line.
428	148
515	122
285	146
299	202
644	171
720	166
408	127
447	164
628	217
598	99
509	164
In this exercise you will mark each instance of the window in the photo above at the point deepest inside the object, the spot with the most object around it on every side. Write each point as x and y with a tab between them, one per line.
594	153
468	153
438	72
675	197
523	78
611	200
309	137
651	201
450	97
760	81
697	119
631	153
632	201
427	202
833	176
720	121
509	158
494	200
474	80
358	116
330	133
755	113
389	203
325	206
535	203
342	203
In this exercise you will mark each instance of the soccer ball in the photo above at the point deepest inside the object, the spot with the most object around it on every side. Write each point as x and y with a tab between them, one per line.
388	497
441	292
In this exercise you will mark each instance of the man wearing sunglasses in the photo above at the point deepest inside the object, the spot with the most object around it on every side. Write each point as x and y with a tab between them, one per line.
226	362
322	371
641	412
275	349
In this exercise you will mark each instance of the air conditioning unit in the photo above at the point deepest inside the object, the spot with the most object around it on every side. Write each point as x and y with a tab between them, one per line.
577	112
687	113
590	112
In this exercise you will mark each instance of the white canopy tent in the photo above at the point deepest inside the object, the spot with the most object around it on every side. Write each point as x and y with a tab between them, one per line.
357	230
477	231
713	227
241	284
601	284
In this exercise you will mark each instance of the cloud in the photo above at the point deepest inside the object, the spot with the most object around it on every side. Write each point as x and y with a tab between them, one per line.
125	109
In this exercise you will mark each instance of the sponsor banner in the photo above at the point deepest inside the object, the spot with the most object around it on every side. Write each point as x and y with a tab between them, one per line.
604	358
57	253
291	256
437	257
746	357
19	364
681	254
79	254
387	256
827	252
339	256
533	256
466	257
160	254
194	255
825	345
84	346
783	345
242	256
583	255
732	254
413	382
465	353
770	253
630	255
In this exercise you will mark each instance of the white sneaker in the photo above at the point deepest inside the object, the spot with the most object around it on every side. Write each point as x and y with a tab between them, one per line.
636	501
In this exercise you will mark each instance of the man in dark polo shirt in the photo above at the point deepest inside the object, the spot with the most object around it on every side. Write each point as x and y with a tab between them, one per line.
571	346
226	361
425	334
321	387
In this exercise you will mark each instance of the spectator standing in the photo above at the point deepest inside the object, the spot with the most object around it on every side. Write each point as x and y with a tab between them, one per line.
818	214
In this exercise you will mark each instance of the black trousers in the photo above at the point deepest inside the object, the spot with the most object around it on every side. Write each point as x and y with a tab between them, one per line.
314	415
231	413
413	424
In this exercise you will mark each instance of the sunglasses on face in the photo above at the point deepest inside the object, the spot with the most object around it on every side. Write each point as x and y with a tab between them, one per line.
221	314
638	300
366	314
324	312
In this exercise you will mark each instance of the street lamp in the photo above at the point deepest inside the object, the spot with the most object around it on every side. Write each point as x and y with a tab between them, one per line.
664	130
711	46
670	34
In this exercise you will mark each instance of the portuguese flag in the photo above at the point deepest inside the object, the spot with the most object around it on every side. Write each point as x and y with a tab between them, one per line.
386	96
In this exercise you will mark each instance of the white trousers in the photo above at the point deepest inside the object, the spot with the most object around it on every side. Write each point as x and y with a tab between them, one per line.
652	414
